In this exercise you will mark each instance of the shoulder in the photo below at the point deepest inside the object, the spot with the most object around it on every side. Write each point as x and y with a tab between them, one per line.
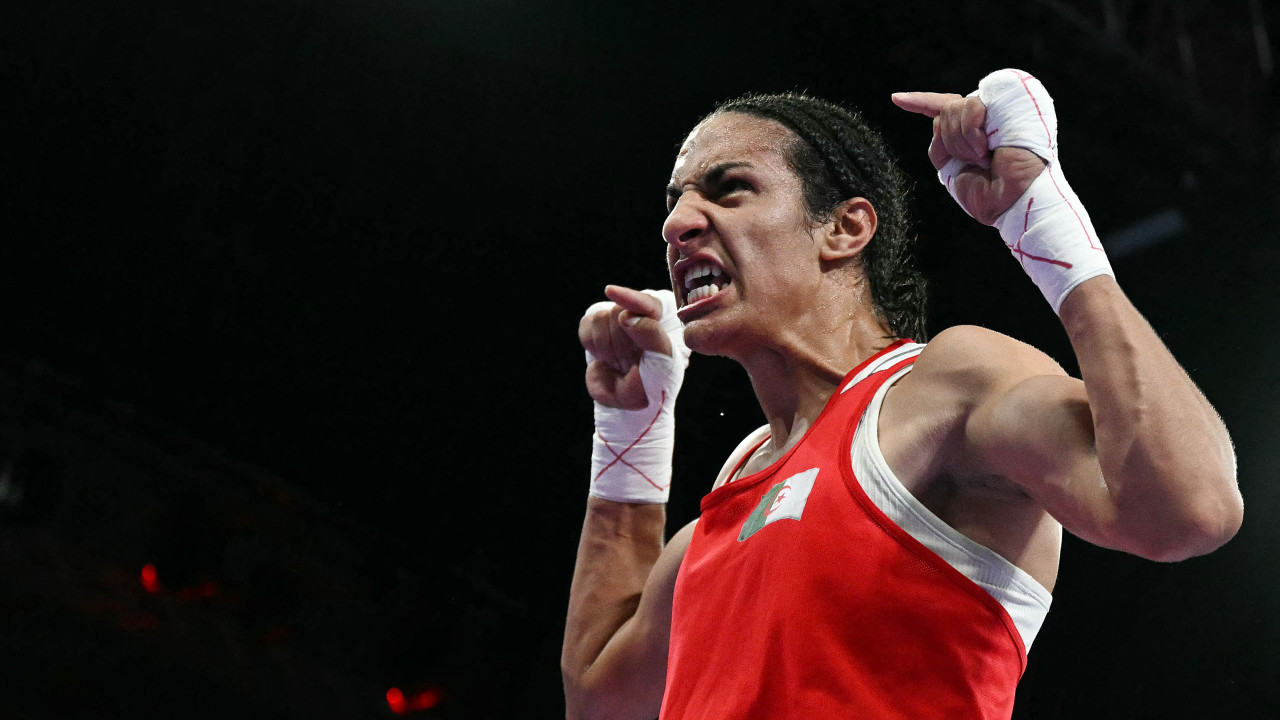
976	359
925	420
932	437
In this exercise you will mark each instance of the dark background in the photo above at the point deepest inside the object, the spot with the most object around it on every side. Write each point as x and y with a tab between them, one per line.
288	300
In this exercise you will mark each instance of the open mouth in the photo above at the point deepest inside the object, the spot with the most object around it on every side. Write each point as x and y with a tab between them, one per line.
703	280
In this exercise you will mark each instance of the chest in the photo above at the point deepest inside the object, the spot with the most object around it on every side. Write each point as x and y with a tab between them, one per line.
920	433
916	443
804	539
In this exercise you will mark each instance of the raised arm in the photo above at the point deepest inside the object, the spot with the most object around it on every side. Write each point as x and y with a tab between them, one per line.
1133	457
1164	453
614	657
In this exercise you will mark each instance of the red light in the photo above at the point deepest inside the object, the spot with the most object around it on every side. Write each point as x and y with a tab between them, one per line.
425	699
395	700
401	704
150	579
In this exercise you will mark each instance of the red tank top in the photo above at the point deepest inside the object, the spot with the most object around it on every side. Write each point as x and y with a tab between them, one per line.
799	598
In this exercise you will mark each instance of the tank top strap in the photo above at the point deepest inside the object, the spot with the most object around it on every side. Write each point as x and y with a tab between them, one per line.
899	354
840	409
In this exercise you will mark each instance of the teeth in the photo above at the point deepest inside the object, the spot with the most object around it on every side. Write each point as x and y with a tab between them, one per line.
700	270
702	293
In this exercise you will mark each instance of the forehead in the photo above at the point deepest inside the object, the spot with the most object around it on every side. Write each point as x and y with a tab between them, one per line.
732	137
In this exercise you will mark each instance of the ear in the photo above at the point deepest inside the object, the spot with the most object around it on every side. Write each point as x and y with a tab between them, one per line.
851	227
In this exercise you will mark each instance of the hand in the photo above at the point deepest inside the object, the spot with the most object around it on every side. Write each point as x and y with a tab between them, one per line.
990	182
615	334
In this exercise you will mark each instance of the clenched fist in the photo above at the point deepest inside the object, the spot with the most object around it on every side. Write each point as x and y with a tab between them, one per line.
989	181
616	334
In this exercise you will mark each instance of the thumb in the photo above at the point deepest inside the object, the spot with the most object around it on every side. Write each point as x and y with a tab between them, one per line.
641	318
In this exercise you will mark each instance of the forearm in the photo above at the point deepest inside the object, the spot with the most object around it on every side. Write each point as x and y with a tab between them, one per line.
619	545
1164	453
613	660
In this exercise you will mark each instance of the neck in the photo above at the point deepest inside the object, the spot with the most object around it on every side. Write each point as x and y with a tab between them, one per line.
795	376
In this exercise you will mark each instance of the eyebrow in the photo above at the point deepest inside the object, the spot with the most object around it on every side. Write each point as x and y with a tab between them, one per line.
712	176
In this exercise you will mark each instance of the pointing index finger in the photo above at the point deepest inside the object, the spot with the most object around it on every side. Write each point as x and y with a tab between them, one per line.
929	104
637	302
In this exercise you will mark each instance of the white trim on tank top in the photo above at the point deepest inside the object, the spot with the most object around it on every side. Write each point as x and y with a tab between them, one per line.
1025	599
907	350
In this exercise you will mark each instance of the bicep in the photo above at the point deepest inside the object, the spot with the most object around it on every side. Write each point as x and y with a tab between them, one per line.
1038	432
628	679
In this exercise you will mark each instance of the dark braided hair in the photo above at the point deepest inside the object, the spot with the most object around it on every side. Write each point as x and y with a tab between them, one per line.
837	157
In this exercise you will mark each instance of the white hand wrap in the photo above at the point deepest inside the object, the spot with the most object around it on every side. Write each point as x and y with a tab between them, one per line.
1047	229
631	449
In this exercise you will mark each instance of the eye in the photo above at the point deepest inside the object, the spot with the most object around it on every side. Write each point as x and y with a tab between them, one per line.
732	185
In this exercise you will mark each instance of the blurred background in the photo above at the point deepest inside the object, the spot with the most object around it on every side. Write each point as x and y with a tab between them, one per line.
292	422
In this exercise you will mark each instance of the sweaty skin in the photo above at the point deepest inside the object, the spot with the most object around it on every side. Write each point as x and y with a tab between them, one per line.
987	432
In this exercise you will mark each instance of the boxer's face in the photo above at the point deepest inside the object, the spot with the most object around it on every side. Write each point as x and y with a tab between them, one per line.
740	248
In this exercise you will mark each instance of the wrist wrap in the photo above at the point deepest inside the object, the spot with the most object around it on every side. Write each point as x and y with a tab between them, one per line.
1047	229
631	449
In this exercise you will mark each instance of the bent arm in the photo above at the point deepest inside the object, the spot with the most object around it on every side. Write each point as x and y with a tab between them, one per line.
1133	458
1162	448
614	658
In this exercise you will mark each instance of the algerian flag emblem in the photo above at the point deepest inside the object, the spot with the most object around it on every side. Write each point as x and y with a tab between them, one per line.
784	500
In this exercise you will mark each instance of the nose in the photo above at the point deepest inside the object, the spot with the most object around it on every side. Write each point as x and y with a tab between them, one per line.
685	223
